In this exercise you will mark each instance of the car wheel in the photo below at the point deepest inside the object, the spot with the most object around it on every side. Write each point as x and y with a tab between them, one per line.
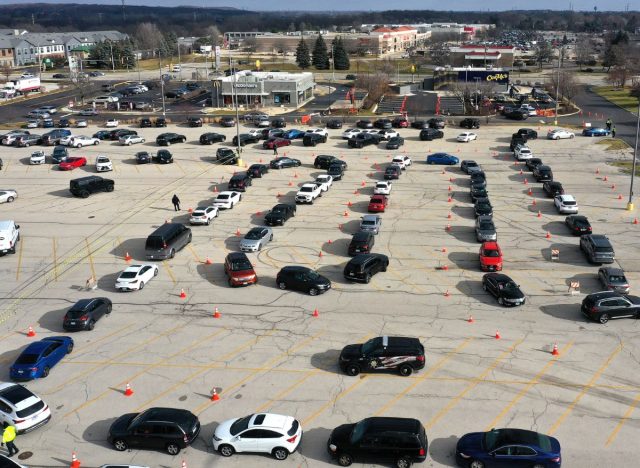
69	348
183	140
155	272
367	278
344	459
230	283
95	143
208	221
84	194
280	453
604	318
120	445
476	464
129	143
173	449
282	285
406	370
484	286
109	308
353	370
313	292
403	462
500	301
10	199
571	137
141	286
91	325
226	450
172	254
45	372
109	188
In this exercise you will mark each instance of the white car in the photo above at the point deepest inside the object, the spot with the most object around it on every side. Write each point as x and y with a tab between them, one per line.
22	408
81	123
350	133
308	193
37	157
530	109
82	140
466	137
203	215
103	99
176	68
324	181
566	204
7	196
256	132
559	134
32	123
245	435
227	200
66	140
387	134
103	164
319	131
129	140
135	277
383	188
523	153
10	138
403	161
49	109
111	123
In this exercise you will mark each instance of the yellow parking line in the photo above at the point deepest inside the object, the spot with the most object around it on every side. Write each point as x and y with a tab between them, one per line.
92	344
19	258
147	368
528	387
329	403
168	268
623	420
201	371
55	260
195	255
90	257
422	378
452	403
585	389
287	390
180	166
6	166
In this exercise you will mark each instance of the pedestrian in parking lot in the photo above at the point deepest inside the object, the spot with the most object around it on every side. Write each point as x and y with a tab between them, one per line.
609	124
176	202
275	149
613	132
8	436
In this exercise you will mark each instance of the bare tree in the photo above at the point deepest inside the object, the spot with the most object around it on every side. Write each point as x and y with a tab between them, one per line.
439	53
618	76
567	87
83	86
214	35
376	86
584	50
250	44
148	36
6	70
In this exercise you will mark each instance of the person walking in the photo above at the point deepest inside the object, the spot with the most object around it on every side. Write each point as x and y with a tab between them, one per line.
8	436
176	202
609	124
613	132
275	149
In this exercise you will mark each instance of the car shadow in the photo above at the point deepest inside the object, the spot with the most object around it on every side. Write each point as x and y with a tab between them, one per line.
61	193
589	282
214	273
134	247
233	242
131	162
97	432
564	311
558	228
443	451
8	358
465	212
108	282
314	444
569	254
338	247
203	442
52	320
359	207
465	233
327	361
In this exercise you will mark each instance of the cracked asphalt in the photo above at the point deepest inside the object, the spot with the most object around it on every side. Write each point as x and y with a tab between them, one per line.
268	353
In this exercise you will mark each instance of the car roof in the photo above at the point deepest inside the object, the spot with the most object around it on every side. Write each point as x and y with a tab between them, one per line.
567	197
518	436
363	258
500	277
236	256
292	268
180	416
270	420
135	268
226	192
393	424
613	271
370	217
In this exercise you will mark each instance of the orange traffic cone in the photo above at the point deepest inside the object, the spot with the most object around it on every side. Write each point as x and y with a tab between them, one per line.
329	241
295	175
597	170
520	171
447	293
30	332
448	227
184	464
530	192
470	319
613	187
237	231
320	254
539	214
183	295
216	313
127	390
215	188
315	313
355	192
214	395
445	267
635	220
345	214
449	188
190	210
526	182
290	184
444	250
75	463
362	184
533	203
449	216
127	257
340	227
605	178
278	195
451	179
555	351
619	197
208	261
449	199
258	213
548	236
498	335
349	203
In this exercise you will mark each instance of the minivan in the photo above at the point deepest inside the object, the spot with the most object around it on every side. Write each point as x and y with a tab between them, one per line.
165	241
9	236
239	182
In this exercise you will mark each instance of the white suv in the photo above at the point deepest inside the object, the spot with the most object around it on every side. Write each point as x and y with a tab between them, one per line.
566	204
319	131
103	164
523	152
22	408
308	193
258	433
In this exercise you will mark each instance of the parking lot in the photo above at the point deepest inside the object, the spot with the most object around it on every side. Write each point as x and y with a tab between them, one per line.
267	352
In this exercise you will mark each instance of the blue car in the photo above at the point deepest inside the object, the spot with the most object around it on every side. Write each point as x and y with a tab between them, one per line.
293	134
508	448
442	158
596	131
38	358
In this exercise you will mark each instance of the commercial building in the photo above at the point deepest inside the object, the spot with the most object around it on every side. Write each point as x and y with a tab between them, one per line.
444	76
481	56
267	89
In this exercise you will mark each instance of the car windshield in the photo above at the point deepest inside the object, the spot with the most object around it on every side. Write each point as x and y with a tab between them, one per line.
307	189
128	274
27	359
198	213
581	223
278	210
508	286
568	202
617	279
241	264
359	430
240	425
487	226
368	223
254	235
222	197
491	253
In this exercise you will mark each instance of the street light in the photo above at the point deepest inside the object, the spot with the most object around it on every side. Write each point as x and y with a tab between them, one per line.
235	94
635	157
164	113
555	121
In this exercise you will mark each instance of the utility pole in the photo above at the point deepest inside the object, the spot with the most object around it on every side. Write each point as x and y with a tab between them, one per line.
164	113
635	157
235	94
113	65
555	121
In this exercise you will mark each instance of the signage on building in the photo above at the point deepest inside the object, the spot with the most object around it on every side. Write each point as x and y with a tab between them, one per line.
245	85
487	76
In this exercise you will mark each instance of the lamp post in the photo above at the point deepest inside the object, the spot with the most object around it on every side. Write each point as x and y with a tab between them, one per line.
113	65
555	120
164	112
235	94
333	61
635	157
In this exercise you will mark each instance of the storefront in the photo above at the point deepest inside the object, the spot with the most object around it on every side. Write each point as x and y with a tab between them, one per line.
267	89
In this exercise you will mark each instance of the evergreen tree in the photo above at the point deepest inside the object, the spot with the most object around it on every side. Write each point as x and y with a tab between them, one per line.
320	56
340	56
302	55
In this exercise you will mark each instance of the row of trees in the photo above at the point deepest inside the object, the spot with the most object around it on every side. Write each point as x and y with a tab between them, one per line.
319	58
117	54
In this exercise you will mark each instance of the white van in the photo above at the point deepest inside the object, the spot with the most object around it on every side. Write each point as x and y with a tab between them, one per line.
9	236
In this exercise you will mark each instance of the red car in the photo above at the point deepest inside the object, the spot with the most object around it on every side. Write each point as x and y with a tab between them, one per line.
490	256
400	122
378	203
71	163
239	270
277	142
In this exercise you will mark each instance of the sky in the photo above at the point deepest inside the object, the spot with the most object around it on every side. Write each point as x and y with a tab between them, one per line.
367	5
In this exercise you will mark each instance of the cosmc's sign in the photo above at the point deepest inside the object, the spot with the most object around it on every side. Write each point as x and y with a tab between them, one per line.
497	77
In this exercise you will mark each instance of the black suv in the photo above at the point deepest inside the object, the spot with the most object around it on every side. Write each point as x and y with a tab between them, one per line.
602	306
84	314
402	441
526	133
436	123
166	139
194	121
302	279
392	172
210	138
363	266
363	139
334	124
278	122
145	123
383	353
227	121
257	170
470	123
361	242
323	161
163	157
542	173
167	429
59	154
279	214
239	182
383	124
85	186
553	189
428	134
161	122
245	138
226	156
597	248
143	157
312	139
336	170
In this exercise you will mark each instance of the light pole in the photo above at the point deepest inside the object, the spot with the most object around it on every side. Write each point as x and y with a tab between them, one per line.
235	94
164	112
179	63
555	120
633	165
113	65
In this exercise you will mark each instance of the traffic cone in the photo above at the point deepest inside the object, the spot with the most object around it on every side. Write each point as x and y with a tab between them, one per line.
470	319
315	313
214	395
555	351
75	463
190	210
127	257
444	250
619	197
445	267
295	175
355	192
278	195
539	214
184	464
498	335
447	293
449	188
237	231
183	295
290	184
216	313
526	182
530	192
635	220
215	188
320	254
597	170
340	227
534	203
30	332
329	241
166	221
520	171
451	179
208	261
261	160
127	390
449	215
258	213
448	227
548	236
613	187
362	184
345	214
605	178
349	203
449	199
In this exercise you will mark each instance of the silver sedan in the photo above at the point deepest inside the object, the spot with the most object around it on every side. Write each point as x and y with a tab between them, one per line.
256	238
